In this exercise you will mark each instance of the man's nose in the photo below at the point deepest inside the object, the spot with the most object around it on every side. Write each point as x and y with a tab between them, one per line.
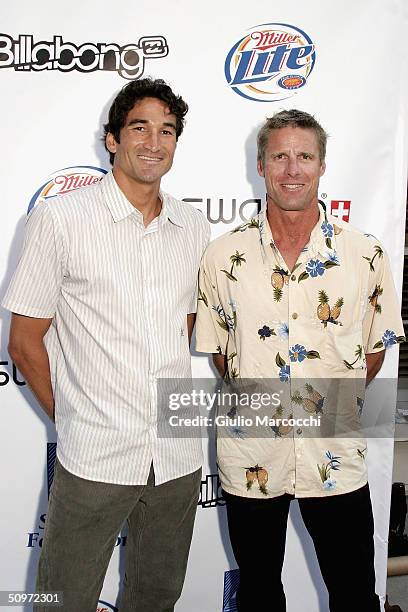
152	141
293	166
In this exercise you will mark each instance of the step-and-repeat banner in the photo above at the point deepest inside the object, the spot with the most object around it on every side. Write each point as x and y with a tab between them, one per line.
235	63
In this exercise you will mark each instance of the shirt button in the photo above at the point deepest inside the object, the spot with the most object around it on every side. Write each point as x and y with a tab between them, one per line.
295	315
299	431
293	277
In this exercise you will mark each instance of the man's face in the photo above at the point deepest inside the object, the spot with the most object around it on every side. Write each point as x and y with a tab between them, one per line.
147	143
292	168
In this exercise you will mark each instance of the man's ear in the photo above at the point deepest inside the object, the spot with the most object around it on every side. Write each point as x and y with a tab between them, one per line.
322	168
110	142
260	167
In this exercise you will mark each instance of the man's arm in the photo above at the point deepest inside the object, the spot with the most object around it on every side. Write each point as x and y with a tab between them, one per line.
220	362
190	325
374	363
27	350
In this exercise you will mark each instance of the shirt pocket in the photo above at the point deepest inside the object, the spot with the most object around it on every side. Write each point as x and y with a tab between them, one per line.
346	348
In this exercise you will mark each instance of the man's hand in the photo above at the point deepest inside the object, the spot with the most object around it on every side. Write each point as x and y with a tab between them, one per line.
374	363
27	350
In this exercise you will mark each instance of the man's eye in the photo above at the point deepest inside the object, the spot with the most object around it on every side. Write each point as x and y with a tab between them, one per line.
306	156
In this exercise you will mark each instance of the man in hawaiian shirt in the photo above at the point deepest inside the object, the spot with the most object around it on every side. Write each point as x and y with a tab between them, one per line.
301	297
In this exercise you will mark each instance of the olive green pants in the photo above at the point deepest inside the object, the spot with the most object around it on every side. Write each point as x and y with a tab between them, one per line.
83	521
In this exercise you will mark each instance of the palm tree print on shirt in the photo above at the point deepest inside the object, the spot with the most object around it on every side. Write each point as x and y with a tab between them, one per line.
378	252
236	260
373	299
358	354
253	223
202	297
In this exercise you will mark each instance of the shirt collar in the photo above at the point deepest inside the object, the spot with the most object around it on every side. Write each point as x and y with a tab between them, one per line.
120	207
322	238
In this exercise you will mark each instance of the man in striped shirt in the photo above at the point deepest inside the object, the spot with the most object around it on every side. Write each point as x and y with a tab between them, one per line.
103	305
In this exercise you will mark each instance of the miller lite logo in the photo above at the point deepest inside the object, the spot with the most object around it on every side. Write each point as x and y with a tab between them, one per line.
341	209
66	180
270	63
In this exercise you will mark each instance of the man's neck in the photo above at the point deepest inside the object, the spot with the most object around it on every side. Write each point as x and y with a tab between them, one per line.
143	196
291	229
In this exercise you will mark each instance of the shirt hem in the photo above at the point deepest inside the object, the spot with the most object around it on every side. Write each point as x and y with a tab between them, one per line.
207	349
316	494
126	483
26	311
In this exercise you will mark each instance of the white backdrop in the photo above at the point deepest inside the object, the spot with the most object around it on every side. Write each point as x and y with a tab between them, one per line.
51	120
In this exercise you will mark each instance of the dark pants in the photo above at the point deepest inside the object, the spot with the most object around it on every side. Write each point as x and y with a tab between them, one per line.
342	530
83	521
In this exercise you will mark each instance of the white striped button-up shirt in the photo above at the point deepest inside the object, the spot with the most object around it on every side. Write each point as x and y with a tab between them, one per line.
119	295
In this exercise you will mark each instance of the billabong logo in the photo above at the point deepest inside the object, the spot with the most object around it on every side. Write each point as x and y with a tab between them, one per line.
104	606
340	209
128	60
65	180
270	63
210	492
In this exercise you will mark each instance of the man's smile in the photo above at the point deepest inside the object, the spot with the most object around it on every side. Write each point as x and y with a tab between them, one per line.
150	159
292	186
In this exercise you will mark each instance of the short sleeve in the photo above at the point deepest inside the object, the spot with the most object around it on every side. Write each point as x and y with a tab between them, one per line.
382	323
35	287
211	328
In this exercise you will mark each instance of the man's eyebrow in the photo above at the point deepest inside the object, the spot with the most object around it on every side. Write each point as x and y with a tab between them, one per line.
169	124
136	120
283	151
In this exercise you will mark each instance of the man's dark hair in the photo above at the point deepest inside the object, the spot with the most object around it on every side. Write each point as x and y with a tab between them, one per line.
294	118
132	93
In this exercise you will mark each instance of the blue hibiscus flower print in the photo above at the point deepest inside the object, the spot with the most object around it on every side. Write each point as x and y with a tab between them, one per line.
329	484
389	338
333	257
315	268
297	353
327	229
265	332
283	330
284	373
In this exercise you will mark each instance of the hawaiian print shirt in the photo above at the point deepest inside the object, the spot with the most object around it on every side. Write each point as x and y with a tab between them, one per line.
308	330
